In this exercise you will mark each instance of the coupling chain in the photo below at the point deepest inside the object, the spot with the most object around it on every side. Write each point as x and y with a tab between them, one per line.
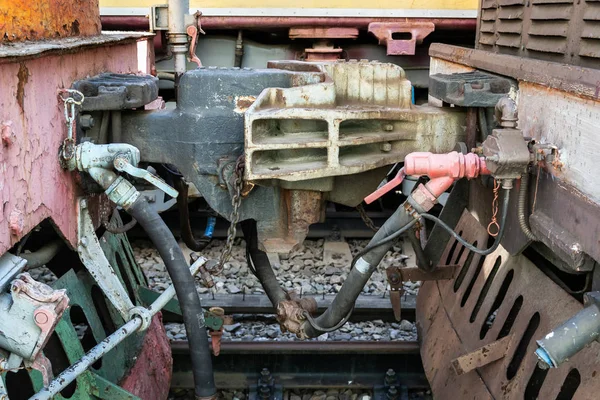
73	98
493	228
366	219
236	201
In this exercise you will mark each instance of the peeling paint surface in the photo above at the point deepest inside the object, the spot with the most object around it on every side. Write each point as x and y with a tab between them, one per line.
41	19
31	180
150	377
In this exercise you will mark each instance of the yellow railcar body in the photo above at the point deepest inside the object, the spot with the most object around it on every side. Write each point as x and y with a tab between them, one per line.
310	8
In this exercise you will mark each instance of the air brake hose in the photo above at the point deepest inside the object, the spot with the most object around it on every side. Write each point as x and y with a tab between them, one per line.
262	266
185	288
360	272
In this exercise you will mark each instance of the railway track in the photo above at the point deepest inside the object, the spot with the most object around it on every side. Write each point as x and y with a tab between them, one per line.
350	365
311	364
367	308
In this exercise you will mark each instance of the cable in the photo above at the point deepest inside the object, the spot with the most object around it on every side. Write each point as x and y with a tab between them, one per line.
387	239
468	245
337	326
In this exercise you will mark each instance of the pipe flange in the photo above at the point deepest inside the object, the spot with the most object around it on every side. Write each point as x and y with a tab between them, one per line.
144	314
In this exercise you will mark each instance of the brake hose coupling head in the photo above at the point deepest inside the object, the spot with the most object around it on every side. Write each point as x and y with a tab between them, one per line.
442	169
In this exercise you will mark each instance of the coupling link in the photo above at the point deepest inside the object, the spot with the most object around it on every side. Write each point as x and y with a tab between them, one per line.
144	314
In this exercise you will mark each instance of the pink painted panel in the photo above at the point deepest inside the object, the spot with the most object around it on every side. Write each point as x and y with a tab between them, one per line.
150	377
33	186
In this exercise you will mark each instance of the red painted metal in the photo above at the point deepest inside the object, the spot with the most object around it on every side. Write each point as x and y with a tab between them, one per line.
443	169
150	376
453	164
317	32
235	22
416	31
387	187
33	186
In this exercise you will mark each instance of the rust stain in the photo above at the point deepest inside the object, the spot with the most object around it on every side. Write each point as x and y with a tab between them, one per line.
242	103
43	19
23	76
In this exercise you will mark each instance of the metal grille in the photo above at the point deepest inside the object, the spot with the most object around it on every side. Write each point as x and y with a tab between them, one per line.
555	30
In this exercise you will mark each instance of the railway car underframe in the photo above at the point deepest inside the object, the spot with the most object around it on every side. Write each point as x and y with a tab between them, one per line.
509	307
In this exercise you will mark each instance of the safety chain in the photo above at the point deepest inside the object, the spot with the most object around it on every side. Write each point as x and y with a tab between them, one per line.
67	150
236	201
366	219
493	228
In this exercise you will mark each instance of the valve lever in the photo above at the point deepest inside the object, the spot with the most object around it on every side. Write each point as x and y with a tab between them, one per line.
387	187
122	164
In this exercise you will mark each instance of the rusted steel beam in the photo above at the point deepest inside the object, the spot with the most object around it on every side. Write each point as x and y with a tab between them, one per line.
482	356
44	19
240	22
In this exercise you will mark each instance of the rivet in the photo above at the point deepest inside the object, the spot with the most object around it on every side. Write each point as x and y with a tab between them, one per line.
41	318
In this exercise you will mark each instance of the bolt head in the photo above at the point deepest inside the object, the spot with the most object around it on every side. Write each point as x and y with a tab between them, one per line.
83	242
388	127
390	372
41	318
386	147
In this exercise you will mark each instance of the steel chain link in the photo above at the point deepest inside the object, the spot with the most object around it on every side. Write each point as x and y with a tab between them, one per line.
236	201
366	219
68	146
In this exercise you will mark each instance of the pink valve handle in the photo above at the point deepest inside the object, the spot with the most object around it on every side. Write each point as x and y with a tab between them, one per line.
450	166
387	187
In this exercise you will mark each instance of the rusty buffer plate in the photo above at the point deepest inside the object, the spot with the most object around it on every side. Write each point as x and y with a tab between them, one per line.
43	19
490	299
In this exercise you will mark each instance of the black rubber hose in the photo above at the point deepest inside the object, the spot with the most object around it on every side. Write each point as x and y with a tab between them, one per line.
522	206
43	255
184	219
469	246
185	288
262	266
360	272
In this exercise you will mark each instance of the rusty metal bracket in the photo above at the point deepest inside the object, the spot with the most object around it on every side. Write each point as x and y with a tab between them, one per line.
192	32
401	38
397	275
482	356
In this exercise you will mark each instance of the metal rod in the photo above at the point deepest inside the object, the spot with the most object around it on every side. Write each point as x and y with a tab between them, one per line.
177	34
248	22
79	367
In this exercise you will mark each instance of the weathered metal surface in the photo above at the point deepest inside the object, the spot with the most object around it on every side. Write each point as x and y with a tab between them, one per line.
359	118
471	89
150	376
409	35
110	91
114	22
455	317
300	209
559	30
334	32
568	78
482	356
572	130
34	186
30	311
95	261
44	19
